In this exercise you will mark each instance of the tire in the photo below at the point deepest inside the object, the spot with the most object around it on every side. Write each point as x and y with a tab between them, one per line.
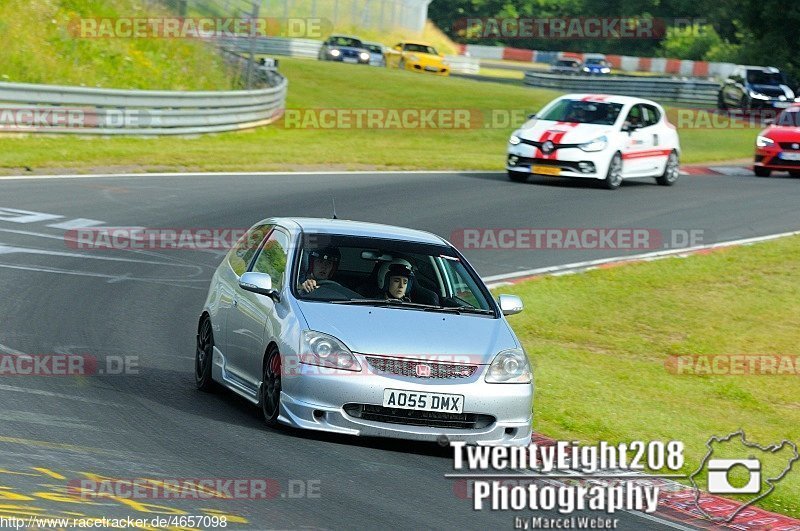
760	171
721	101
671	171
204	357
401	64
518	176
271	388
794	173
614	175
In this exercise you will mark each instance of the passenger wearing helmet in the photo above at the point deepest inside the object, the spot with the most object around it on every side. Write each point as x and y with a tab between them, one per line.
322	265
395	280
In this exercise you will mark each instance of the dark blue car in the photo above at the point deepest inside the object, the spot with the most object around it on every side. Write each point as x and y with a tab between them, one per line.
344	49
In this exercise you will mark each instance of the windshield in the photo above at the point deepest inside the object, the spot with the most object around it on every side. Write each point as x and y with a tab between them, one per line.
759	77
346	41
420	48
595	62
378	272
584	112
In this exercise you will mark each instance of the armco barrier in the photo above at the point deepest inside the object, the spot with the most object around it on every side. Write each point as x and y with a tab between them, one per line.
656	65
462	65
684	91
32	108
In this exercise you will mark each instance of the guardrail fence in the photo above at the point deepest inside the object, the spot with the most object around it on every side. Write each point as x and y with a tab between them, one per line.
34	108
684	91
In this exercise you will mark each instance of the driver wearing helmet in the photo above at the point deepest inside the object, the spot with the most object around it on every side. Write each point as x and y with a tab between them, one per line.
322	265
395	279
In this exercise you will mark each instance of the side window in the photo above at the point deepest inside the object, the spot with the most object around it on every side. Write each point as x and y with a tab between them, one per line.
652	116
272	258
635	117
241	254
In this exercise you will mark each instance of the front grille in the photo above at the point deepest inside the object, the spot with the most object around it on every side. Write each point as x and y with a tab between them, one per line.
410	417
538	145
563	164
415	369
790	145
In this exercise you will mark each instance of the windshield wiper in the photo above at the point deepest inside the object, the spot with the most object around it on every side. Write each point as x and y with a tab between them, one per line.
426	307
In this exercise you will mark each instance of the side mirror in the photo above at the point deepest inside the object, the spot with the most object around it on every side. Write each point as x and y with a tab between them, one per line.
510	304
531	116
260	283
770	121
628	127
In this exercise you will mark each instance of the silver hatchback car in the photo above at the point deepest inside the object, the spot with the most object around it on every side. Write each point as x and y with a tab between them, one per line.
364	329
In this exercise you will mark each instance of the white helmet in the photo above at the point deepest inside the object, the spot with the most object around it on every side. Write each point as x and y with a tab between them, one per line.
395	267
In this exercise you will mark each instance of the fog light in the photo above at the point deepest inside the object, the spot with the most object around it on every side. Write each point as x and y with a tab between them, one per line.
586	167
512	160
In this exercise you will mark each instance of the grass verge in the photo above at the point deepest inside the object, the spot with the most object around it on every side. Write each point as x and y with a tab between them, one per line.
326	85
41	44
600	342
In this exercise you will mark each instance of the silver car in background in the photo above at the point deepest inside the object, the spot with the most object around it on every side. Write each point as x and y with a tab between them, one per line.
347	358
377	53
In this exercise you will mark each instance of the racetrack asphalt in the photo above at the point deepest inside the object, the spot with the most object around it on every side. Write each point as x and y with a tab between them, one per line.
143	305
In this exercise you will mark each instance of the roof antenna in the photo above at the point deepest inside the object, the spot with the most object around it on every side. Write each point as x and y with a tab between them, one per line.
333	200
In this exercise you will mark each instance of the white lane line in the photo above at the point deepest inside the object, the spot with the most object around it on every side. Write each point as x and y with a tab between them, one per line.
9	249
502	279
78	223
113	278
15	215
249	174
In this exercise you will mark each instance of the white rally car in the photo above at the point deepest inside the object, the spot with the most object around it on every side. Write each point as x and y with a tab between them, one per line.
596	136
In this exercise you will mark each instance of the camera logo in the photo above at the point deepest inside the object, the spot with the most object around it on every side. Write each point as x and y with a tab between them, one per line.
754	472
720	483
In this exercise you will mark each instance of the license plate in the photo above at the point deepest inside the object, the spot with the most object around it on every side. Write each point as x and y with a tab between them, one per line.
350	60
789	156
431	69
546	170
422	401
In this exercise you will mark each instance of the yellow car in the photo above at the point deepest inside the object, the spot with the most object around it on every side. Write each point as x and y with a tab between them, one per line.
416	57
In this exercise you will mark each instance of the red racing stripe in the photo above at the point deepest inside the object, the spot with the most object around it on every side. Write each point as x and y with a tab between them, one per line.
648	153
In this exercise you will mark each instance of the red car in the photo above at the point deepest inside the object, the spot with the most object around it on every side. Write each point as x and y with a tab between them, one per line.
778	146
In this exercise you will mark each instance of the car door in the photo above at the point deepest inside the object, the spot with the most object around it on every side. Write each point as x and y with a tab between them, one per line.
252	315
654	159
239	259
637	144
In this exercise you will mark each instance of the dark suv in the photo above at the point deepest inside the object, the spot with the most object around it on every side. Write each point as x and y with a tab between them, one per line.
755	87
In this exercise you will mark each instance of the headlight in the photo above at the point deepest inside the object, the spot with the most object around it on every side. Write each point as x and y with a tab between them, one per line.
762	141
598	144
335	53
585	68
758	95
605	70
364	56
413	58
510	366
514	140
327	351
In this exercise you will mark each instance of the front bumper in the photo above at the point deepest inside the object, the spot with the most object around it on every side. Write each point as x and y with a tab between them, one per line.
568	162
773	158
325	399
438	70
